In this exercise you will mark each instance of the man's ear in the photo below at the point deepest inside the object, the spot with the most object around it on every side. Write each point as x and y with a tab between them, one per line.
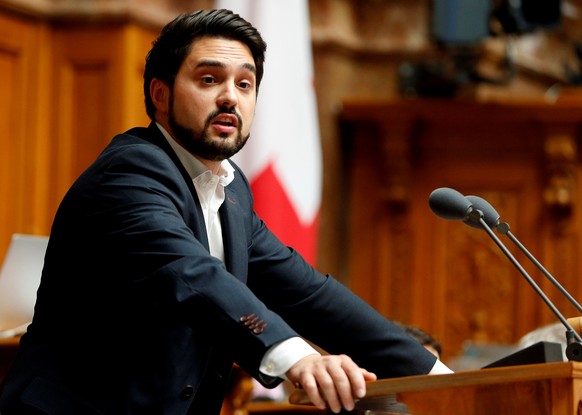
160	93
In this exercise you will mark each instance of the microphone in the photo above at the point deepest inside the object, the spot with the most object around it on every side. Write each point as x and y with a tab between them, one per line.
449	204
490	215
445	203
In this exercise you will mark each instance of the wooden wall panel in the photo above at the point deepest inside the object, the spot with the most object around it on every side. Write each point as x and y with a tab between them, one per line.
100	89
23	163
444	276
66	89
137	42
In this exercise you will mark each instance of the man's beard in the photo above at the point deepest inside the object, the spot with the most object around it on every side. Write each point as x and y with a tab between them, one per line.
201	144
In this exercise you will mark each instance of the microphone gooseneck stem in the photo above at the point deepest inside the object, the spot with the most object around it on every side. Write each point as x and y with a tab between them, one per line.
525	274
503	228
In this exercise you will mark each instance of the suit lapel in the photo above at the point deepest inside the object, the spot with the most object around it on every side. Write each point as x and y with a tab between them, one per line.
196	223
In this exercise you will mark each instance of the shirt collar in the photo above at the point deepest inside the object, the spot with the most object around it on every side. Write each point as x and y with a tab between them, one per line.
195	167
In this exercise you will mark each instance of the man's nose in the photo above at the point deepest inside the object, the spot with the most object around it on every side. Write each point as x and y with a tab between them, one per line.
227	97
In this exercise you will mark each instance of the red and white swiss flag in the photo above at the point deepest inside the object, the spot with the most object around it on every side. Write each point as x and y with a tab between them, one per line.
282	159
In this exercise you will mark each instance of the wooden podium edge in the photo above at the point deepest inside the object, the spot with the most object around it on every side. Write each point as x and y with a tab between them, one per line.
492	376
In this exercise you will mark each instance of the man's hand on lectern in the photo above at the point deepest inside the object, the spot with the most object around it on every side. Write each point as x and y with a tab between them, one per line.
335	379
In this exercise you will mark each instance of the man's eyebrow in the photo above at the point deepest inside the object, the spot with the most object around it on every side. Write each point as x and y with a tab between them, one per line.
219	64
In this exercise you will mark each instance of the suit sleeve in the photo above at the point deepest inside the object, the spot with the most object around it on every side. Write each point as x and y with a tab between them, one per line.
325	312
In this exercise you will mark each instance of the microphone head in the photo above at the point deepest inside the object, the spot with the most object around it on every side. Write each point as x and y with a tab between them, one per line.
490	215
449	204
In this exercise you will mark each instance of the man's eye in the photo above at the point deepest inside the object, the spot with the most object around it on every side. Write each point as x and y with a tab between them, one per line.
207	79
245	84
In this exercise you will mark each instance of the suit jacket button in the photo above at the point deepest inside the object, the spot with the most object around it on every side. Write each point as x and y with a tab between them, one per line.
187	392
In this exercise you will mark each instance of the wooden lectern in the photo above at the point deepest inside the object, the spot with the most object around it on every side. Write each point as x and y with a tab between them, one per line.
538	389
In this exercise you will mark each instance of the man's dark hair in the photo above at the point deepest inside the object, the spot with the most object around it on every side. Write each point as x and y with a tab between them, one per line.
176	38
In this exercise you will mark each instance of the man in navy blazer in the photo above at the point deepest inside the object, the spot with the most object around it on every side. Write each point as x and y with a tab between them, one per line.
159	275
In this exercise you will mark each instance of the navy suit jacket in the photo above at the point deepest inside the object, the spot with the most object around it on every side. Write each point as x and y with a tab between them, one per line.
134	316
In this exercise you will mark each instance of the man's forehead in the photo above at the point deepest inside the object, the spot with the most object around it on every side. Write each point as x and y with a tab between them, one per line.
218	49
